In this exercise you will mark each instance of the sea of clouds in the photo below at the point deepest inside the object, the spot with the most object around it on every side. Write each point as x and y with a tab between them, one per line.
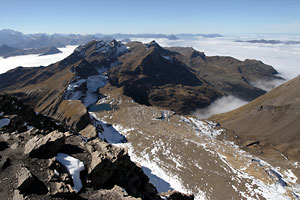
34	60
285	58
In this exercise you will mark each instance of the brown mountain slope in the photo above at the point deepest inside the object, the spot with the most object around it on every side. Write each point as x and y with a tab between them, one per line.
227	74
45	87
179	79
270	121
150	76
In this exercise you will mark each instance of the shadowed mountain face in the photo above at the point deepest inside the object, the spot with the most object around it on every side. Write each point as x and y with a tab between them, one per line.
270	123
180	79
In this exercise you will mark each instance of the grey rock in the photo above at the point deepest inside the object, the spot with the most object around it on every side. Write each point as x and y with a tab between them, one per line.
112	166
18	196
117	193
4	162
44	146
60	189
25	180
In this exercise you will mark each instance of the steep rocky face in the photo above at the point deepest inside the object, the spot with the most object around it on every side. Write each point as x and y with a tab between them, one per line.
151	76
46	88
269	124
227	74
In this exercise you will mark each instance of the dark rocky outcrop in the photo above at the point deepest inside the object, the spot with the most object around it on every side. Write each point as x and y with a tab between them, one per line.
112	166
44	146
50	51
174	195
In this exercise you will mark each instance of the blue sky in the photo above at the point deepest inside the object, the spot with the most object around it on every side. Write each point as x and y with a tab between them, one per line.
155	16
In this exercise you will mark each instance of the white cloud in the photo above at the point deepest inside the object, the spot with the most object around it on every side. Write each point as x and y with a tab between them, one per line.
33	60
224	104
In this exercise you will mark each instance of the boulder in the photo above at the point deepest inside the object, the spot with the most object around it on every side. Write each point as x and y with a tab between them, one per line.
117	193
89	132
25	180
60	189
16	124
44	146
175	195
18	196
112	166
4	162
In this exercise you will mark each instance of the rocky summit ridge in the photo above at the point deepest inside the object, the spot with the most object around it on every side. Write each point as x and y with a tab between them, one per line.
42	158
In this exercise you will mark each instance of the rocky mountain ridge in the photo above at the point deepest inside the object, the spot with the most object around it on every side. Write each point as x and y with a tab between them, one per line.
39	156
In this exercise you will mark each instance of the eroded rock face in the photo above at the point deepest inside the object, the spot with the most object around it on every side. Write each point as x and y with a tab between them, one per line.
44	146
25	180
22	117
112	166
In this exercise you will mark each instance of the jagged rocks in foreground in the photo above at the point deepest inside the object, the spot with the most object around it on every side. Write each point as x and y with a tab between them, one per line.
40	163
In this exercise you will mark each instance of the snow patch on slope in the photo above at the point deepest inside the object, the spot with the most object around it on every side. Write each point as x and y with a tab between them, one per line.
208	128
74	167
109	133
85	89
159	177
280	183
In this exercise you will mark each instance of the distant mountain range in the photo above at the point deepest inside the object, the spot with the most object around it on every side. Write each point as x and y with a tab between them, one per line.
7	51
263	41
20	40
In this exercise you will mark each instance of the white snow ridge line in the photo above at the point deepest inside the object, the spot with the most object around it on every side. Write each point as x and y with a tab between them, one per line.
74	167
